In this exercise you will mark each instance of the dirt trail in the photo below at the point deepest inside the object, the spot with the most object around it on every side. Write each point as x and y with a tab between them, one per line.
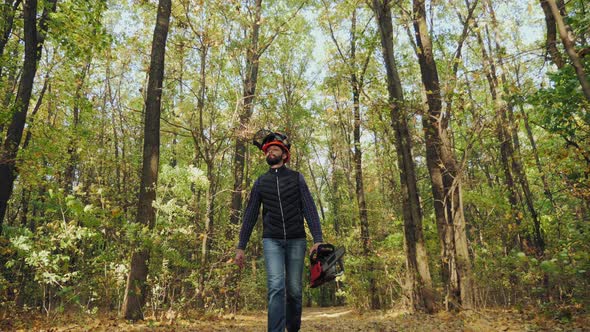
314	319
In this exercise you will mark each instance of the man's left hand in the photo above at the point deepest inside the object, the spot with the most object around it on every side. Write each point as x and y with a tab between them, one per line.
315	246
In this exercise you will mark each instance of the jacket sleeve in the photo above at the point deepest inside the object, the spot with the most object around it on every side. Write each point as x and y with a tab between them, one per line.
250	216
310	211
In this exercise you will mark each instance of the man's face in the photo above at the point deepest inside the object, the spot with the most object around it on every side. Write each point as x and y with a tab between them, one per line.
274	155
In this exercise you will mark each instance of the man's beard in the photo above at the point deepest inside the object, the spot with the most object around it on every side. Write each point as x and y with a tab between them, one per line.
273	160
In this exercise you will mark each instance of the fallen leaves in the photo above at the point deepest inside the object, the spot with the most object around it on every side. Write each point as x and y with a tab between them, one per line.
314	319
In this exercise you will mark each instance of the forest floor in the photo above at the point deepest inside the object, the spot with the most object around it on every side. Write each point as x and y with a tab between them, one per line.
314	319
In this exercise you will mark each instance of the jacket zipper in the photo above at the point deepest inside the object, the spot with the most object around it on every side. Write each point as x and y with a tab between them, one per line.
281	206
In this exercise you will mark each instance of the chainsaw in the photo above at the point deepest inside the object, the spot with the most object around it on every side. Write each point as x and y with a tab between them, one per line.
326	264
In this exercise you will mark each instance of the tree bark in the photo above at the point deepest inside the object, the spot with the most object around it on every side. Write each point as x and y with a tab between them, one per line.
510	126
210	223
70	171
26	194
334	178
317	190
504	140
538	241
444	175
8	13
546	188
356	85
250	81
570	50
34	39
419	283
136	290
551	41
10	88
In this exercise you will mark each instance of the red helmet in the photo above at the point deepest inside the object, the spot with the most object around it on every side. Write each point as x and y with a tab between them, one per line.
264	138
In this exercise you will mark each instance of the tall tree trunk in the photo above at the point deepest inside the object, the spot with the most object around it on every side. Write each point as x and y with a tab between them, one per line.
26	194
538	241
503	137
10	88
8	12
250	81
317	190
209	218
34	39
72	146
334	193
36	109
208	234
445	178
115	112
511	126
551	40
136	290
568	44
530	136
203	150
356	85
419	283
546	188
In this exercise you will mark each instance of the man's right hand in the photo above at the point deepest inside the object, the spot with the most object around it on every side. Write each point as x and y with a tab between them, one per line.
240	257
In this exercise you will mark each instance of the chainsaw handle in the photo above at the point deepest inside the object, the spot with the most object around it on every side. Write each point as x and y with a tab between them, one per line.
313	256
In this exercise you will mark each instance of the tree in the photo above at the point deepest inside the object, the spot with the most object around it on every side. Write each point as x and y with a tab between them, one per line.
34	38
419	283
136	290
253	54
506	132
551	40
8	14
444	174
355	60
570	50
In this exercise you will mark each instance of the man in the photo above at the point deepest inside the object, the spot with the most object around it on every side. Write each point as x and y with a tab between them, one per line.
286	199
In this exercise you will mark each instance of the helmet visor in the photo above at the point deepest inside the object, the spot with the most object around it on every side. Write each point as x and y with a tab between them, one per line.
264	136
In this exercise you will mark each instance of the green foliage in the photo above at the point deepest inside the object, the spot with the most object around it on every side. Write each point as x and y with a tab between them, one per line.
563	105
559	276
564	112
64	255
78	29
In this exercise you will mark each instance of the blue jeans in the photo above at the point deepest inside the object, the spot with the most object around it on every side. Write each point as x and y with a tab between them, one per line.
284	269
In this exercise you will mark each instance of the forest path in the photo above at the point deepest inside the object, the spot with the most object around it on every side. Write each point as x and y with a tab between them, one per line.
314	319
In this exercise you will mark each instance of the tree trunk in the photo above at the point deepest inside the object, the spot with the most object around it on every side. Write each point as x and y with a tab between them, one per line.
419	288
356	84
250	81
136	290
26	194
317	190
546	188
529	131
503	137
568	44
538	241
36	109
10	88
34	39
70	171
445	178
202	152
551	41
334	193
209	219
510	127
8	13
206	241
